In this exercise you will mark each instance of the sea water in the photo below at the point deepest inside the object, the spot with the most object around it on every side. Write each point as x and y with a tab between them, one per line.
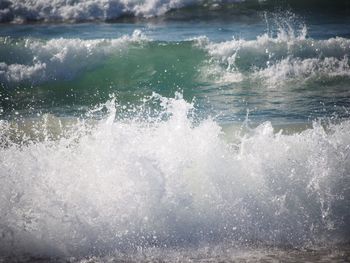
174	131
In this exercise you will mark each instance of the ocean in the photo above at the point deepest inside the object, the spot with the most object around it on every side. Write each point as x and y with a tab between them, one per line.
174	131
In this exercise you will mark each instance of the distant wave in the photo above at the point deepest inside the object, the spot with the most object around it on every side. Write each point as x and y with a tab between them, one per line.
62	10
89	70
289	56
273	61
17	11
57	58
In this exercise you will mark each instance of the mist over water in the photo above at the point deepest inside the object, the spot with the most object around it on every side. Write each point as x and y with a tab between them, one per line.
167	136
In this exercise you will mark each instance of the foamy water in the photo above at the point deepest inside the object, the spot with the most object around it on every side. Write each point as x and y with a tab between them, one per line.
60	58
120	185
18	11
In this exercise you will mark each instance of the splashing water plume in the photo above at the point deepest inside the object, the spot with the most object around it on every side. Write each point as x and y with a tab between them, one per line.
115	184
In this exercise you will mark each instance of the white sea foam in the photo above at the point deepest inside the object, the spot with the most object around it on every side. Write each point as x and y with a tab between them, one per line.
19	72
289	55
61	10
302	70
62	58
163	181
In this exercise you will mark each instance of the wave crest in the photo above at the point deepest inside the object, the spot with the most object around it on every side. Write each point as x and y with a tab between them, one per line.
291	55
59	58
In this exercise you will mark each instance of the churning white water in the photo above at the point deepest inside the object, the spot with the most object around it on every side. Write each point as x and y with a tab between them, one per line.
120	184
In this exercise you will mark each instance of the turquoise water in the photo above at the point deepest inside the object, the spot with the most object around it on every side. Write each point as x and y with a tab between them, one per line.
172	130
227	66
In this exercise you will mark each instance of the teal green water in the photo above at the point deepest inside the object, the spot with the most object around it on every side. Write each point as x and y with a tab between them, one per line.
284	72
282	66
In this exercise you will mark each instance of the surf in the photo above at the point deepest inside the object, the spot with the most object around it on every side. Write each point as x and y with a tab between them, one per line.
14	11
169	181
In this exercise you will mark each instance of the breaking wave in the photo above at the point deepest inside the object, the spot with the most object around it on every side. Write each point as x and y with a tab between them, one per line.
73	74
276	60
17	11
76	187
273	60
36	61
